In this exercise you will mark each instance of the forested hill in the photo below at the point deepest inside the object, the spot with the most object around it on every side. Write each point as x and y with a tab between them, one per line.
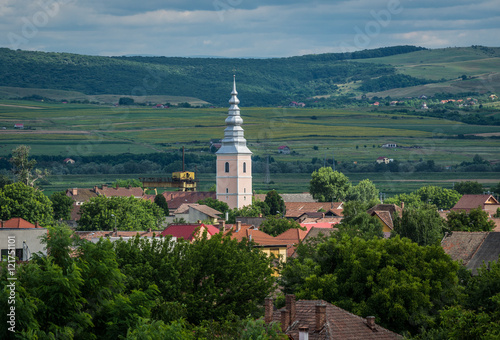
260	81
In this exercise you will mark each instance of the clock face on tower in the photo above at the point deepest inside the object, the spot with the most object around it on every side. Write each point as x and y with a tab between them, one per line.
234	160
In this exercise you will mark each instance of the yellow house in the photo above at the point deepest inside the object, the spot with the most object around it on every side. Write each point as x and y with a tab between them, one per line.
384	213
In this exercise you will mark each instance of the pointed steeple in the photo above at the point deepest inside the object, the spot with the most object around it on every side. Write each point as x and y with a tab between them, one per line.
234	140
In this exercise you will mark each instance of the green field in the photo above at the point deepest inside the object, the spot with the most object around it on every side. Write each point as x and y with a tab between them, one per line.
350	135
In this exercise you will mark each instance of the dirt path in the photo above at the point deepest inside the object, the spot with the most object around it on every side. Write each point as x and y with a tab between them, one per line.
23	107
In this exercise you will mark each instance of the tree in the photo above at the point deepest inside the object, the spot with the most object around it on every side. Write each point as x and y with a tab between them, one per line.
469	188
125	183
4	180
357	222
126	101
474	220
423	226
364	191
275	203
213	278
496	189
442	198
161	202
327	185
124	213
274	226
215	204
23	167
21	200
62	205
411	282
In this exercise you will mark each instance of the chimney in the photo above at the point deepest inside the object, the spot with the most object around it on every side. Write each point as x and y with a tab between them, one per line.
320	316
149	230
290	306
37	225
95	189
104	186
303	333
115	231
238	226
402	205
222	226
1	222
74	191
285	317
198	221
269	308
370	322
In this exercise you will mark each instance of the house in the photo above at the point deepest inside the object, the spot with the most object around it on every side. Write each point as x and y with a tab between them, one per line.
189	232
296	209
424	106
19	126
473	248
115	235
487	203
68	161
385	214
393	103
22	237
176	198
381	160
318	319
252	221
136	192
193	212
376	104
284	150
389	145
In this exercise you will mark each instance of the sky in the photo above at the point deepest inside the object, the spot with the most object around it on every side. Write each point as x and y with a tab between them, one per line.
243	28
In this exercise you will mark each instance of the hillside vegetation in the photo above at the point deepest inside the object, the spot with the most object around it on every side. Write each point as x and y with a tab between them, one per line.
260	81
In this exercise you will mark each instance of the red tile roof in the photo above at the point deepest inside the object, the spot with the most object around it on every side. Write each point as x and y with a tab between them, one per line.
119	192
89	235
17	223
185	231
462	245
339	323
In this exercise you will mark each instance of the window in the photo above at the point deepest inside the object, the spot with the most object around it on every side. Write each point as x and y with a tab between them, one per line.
227	190
244	166
227	167
244	190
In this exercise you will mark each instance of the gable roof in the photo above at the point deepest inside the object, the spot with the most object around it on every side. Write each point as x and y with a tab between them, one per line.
339	323
206	210
304	197
119	192
185	231
176	198
473	248
18	223
295	209
385	217
82	194
469	202
391	208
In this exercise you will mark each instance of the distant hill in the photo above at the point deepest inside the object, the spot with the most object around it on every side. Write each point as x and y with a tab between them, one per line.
384	72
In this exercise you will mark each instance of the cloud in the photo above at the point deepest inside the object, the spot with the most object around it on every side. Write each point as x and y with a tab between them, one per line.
243	28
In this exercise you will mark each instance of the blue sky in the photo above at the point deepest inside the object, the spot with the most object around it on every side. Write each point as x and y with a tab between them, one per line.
243	28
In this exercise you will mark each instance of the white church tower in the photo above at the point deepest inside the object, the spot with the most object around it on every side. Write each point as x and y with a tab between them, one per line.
234	160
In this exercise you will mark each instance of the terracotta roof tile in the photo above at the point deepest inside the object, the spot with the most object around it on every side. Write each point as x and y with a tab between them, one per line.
462	245
468	202
120	192
295	209
176	198
17	223
185	231
340	324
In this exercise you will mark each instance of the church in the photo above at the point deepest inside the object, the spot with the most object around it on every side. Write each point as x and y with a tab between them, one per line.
234	160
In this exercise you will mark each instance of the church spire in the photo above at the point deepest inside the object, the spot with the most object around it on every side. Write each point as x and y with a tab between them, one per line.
234	140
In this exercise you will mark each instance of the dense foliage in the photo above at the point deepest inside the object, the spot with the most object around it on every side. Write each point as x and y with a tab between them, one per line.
469	188
327	185
442	198
264	81
402	284
62	205
123	213
274	225
391	82
422	225
21	200
473	220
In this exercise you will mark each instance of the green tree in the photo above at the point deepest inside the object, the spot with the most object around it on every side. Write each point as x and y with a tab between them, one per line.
423	226
442	198
23	167
327	185
124	213
274	226
215	204
474	220
235	276
357	222
469	188
4	180
364	191
496	189
21	200
411	282
275	203
62	205
158	330
125	183
126	101
161	202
